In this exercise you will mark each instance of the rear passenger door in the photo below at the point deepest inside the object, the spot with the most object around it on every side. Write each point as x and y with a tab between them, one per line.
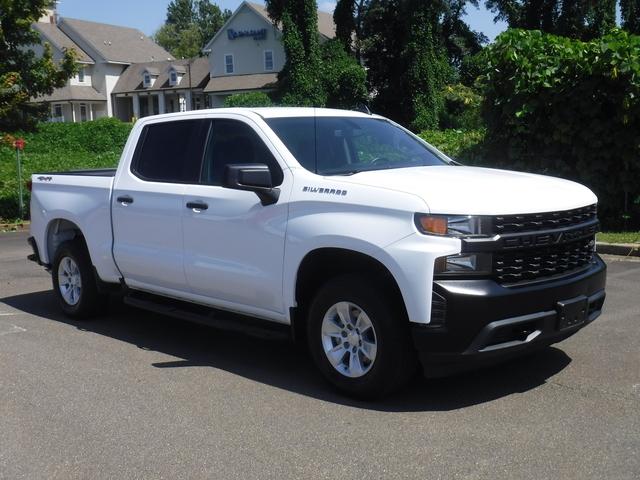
233	245
147	204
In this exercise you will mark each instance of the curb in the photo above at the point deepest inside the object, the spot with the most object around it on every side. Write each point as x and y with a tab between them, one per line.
14	227
622	249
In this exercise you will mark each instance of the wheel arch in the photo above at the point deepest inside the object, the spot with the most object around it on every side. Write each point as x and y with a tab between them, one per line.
59	231
322	264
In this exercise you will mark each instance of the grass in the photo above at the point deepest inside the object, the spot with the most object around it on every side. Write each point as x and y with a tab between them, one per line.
619	237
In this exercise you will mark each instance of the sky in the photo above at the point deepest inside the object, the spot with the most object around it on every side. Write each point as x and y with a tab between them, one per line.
149	15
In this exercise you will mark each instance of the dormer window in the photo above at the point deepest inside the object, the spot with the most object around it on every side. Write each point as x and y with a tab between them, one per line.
176	72
149	76
81	73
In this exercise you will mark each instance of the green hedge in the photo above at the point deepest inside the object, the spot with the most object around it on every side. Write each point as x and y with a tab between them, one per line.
59	147
564	107
248	99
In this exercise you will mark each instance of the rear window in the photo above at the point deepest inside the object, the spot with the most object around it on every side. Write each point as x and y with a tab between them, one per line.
171	151
347	145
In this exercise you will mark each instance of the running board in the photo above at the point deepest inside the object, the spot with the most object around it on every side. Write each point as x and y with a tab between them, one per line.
210	317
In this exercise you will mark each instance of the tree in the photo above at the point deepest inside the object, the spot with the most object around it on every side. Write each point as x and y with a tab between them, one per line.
23	76
343	78
428	70
580	19
300	79
458	38
630	13
189	26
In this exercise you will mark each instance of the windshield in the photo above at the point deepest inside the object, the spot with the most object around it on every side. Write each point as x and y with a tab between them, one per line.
348	145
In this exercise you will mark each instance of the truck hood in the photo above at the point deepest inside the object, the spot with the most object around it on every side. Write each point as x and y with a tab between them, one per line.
480	191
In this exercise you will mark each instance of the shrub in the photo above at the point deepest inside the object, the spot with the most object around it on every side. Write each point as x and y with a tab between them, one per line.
461	108
465	146
569	108
59	147
249	99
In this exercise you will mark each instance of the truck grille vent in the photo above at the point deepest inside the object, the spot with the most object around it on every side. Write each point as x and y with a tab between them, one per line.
543	221
527	265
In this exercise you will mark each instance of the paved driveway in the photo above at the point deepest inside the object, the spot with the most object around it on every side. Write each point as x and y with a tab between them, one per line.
136	395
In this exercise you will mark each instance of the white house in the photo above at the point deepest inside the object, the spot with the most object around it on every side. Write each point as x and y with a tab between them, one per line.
247	52
124	74
104	53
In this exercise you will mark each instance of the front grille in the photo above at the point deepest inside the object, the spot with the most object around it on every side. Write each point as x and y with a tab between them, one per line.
531	264
532	222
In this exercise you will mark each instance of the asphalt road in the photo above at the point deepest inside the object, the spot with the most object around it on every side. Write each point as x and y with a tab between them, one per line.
136	395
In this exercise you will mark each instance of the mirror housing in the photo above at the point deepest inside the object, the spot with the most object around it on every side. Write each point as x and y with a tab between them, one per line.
252	177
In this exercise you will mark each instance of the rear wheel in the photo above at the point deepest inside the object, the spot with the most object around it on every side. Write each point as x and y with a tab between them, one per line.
74	283
358	340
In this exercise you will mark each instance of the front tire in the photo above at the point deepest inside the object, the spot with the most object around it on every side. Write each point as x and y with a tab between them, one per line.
74	283
358	340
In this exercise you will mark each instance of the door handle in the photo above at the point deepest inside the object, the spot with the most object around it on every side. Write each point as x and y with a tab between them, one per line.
125	199
197	205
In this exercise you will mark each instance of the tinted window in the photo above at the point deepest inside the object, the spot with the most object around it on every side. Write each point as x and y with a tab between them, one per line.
171	151
340	145
233	142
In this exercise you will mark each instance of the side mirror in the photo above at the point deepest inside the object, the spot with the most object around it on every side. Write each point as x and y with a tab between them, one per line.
254	177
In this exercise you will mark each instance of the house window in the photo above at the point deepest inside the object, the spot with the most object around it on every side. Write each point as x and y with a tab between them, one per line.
147	80
57	113
173	78
268	60
228	63
83	112
81	75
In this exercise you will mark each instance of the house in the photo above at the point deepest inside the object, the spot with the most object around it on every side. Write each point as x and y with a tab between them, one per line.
247	53
151	88
124	74
104	53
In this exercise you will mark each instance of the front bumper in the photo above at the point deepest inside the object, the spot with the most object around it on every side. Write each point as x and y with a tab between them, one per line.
486	323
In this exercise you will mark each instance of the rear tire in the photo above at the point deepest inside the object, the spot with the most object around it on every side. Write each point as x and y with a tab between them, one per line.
358	340
74	282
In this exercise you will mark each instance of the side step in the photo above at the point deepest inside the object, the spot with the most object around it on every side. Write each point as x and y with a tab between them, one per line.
203	315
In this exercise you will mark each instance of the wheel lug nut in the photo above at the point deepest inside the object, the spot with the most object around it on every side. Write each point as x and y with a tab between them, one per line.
344	334
345	345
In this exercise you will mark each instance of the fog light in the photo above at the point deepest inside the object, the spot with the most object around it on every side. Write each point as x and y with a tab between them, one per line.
468	263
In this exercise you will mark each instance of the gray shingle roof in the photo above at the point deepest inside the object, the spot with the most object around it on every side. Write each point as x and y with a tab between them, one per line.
56	37
131	78
236	83
113	43
325	20
73	92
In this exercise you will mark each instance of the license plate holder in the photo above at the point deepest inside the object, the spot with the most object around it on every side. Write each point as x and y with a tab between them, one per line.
572	313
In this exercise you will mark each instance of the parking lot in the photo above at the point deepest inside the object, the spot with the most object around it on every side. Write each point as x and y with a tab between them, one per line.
136	395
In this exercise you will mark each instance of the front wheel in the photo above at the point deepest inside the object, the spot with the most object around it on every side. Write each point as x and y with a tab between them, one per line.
358	340
74	283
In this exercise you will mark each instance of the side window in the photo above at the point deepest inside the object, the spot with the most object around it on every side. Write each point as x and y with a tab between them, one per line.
233	142
171	151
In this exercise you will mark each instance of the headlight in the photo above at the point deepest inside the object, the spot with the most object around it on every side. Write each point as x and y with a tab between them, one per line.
453	225
464	264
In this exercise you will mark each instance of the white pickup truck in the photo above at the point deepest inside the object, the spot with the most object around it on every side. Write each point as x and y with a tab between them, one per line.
341	228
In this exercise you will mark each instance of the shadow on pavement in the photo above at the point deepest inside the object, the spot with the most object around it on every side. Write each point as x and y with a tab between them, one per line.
282	365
